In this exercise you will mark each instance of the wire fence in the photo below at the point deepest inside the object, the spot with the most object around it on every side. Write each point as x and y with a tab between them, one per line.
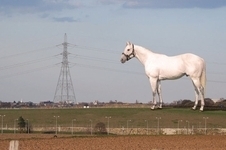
124	130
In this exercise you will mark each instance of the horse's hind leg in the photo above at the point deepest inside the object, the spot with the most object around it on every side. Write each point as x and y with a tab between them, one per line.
199	91
196	98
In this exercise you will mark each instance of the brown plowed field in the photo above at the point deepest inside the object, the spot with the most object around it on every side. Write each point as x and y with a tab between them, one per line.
47	142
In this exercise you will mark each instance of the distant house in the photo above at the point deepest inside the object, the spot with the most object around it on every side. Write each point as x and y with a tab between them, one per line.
46	103
5	104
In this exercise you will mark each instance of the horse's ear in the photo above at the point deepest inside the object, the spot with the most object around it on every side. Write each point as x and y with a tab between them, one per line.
128	43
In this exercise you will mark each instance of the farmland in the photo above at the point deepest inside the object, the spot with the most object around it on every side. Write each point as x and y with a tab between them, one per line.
176	142
119	117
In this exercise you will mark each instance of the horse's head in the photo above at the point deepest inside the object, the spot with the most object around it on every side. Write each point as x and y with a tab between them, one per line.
128	52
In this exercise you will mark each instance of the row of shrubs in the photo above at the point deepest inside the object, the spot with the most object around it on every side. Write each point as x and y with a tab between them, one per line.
209	104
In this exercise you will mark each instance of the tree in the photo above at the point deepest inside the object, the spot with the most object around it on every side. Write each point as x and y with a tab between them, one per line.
100	128
21	124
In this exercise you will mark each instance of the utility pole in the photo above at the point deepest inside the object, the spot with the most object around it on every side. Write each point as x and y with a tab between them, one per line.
64	91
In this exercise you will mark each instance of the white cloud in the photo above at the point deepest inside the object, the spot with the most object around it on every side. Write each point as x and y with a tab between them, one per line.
108	2
65	19
155	4
45	9
35	6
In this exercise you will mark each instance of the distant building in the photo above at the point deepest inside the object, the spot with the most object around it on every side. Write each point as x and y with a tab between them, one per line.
46	103
5	104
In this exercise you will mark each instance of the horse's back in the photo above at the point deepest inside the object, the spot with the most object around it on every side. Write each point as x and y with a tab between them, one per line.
173	67
183	60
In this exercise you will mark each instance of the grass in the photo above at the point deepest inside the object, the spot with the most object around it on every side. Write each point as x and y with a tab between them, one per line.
119	117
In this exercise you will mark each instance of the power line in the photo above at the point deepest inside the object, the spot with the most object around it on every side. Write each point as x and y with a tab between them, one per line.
216	63
90	58
95	59
129	72
82	65
27	52
107	69
77	56
25	63
97	49
28	71
90	67
82	56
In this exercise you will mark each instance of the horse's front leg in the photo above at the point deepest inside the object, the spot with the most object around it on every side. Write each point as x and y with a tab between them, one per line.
159	93
154	100
153	83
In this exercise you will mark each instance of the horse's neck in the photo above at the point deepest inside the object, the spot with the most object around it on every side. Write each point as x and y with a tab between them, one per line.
142	53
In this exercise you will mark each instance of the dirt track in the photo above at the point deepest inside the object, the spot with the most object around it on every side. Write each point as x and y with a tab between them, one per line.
47	142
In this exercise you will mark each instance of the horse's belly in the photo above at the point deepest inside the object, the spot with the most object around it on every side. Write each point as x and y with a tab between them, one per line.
170	76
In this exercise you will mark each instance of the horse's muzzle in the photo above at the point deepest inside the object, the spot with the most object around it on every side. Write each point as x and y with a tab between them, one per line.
123	59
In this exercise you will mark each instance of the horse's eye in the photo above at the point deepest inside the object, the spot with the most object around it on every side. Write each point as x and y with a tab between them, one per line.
128	49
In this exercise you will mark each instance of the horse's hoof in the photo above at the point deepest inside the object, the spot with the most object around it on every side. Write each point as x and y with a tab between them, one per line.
152	107
193	108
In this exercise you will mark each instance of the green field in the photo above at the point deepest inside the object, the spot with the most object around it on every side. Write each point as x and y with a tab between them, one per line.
119	117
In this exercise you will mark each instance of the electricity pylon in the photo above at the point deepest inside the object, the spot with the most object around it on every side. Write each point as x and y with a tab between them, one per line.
64	91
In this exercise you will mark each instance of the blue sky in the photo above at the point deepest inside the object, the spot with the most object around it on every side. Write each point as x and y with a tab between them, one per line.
98	31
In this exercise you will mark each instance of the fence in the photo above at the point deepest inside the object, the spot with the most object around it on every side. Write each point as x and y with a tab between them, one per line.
124	130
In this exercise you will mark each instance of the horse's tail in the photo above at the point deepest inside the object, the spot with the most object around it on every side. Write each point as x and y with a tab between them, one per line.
203	78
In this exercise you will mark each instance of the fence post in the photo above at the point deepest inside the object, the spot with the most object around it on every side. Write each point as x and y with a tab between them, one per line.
14	145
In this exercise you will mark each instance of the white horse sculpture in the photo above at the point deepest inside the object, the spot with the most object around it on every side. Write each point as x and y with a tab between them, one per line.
161	67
